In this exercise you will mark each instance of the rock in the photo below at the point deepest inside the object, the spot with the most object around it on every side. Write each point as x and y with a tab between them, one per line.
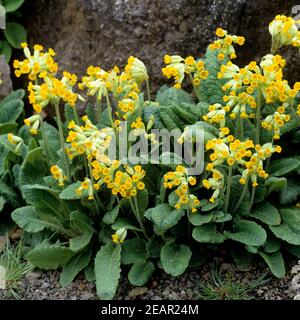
87	296
138	291
3	242
6	84
33	275
106	32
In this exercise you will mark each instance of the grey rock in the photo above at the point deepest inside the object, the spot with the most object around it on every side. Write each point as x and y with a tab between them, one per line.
33	275
106	32
6	84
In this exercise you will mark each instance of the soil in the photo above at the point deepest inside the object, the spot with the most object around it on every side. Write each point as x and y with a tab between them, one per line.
38	285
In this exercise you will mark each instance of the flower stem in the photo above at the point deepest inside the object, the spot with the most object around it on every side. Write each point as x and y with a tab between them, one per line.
148	91
96	199
228	189
76	115
195	89
99	111
62	140
258	105
242	196
135	209
251	199
45	140
109	111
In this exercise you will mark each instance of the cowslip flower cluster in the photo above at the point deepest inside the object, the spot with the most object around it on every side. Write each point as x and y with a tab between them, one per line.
86	187
224	44
52	90
228	149
254	167
136	69
119	178
15	140
284	32
88	140
33	123
216	183
181	181
275	121
123	86
58	174
216	114
177	67
38	64
119	236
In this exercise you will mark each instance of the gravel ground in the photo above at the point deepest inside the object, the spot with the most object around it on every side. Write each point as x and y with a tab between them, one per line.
39	285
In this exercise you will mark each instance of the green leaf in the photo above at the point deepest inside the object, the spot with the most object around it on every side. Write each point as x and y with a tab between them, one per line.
272	244
235	194
289	229
12	5
6	50
142	201
14	95
69	113
283	166
8	193
127	223
28	219
15	34
140	273
2	203
111	216
275	263
170	96
50	257
266	213
91	113
107	270
53	142
242	258
248	232
207	234
198	219
294	250
47	203
133	251
34	168
11	111
74	266
291	192
69	193
165	217
10	127
175	258
274	184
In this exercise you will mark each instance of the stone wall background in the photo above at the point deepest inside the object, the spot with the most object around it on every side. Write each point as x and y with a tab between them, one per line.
106	32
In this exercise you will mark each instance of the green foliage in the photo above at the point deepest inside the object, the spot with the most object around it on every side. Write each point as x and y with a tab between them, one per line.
247	232
46	256
175	258
14	33
102	216
107	270
12	260
140	273
225	287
